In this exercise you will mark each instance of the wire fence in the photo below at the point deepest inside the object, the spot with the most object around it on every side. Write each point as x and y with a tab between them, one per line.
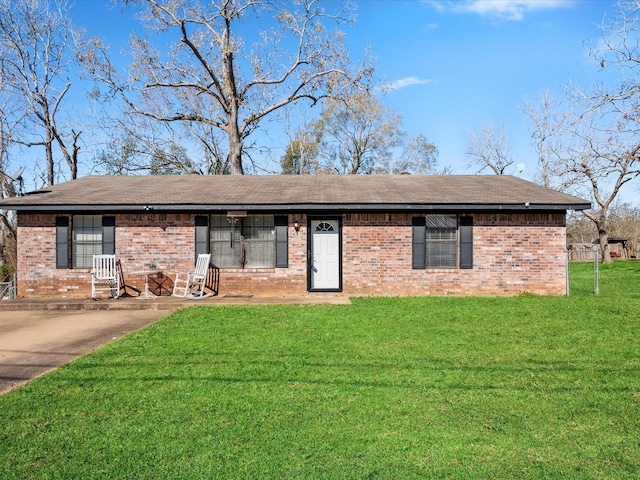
583	273
8	289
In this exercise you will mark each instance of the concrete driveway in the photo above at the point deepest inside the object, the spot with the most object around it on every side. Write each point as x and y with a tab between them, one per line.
33	343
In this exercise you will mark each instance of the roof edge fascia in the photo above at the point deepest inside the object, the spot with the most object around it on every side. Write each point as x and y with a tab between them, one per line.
151	208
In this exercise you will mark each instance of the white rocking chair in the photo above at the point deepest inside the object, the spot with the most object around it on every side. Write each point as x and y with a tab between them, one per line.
104	276
191	285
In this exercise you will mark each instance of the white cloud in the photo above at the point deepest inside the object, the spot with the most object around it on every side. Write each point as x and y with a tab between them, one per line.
514	10
406	82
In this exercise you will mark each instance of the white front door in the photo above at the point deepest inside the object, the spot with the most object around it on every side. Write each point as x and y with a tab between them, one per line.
325	255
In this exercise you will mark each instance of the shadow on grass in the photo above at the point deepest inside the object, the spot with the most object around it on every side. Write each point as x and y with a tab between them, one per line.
525	375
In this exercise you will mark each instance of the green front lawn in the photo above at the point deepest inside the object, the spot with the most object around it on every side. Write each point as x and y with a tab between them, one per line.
524	387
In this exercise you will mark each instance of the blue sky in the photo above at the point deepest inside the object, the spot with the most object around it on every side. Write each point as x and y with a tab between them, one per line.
470	63
456	64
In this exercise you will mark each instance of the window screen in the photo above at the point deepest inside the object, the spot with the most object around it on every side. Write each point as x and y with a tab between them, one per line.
87	239
62	242
247	242
441	240
259	241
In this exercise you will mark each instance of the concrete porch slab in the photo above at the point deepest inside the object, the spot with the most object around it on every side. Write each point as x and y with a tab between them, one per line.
164	302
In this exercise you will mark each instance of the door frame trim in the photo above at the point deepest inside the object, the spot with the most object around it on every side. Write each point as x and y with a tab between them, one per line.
310	219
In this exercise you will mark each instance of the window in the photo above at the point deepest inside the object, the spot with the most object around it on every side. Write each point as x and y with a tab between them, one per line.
442	241
246	242
86	239
90	235
324	227
62	242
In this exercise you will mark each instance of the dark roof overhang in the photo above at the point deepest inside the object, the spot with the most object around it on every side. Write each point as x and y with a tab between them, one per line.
351	207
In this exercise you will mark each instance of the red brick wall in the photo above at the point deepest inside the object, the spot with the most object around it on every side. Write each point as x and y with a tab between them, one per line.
512	254
273	281
37	274
144	243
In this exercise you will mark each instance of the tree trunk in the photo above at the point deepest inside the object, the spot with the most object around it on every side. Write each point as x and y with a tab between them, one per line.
48	146
231	92
8	244
8	228
235	152
603	238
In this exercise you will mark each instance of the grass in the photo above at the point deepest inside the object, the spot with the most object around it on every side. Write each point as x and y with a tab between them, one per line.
524	387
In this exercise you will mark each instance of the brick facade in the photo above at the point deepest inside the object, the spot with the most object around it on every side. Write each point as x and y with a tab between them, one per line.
512	253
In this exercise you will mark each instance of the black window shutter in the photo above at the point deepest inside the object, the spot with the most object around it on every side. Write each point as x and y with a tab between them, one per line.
466	242
109	235
62	242
202	235
282	241
418	243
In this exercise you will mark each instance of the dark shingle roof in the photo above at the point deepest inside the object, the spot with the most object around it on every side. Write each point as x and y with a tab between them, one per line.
295	192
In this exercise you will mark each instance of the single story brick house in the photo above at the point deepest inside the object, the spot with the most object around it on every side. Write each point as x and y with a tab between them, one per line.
381	235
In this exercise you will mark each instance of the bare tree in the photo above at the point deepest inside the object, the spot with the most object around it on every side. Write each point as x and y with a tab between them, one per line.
603	161
547	134
35	44
601	151
580	229
489	148
301	155
219	74
624	222
9	115
139	144
619	50
358	134
419	156
593	153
